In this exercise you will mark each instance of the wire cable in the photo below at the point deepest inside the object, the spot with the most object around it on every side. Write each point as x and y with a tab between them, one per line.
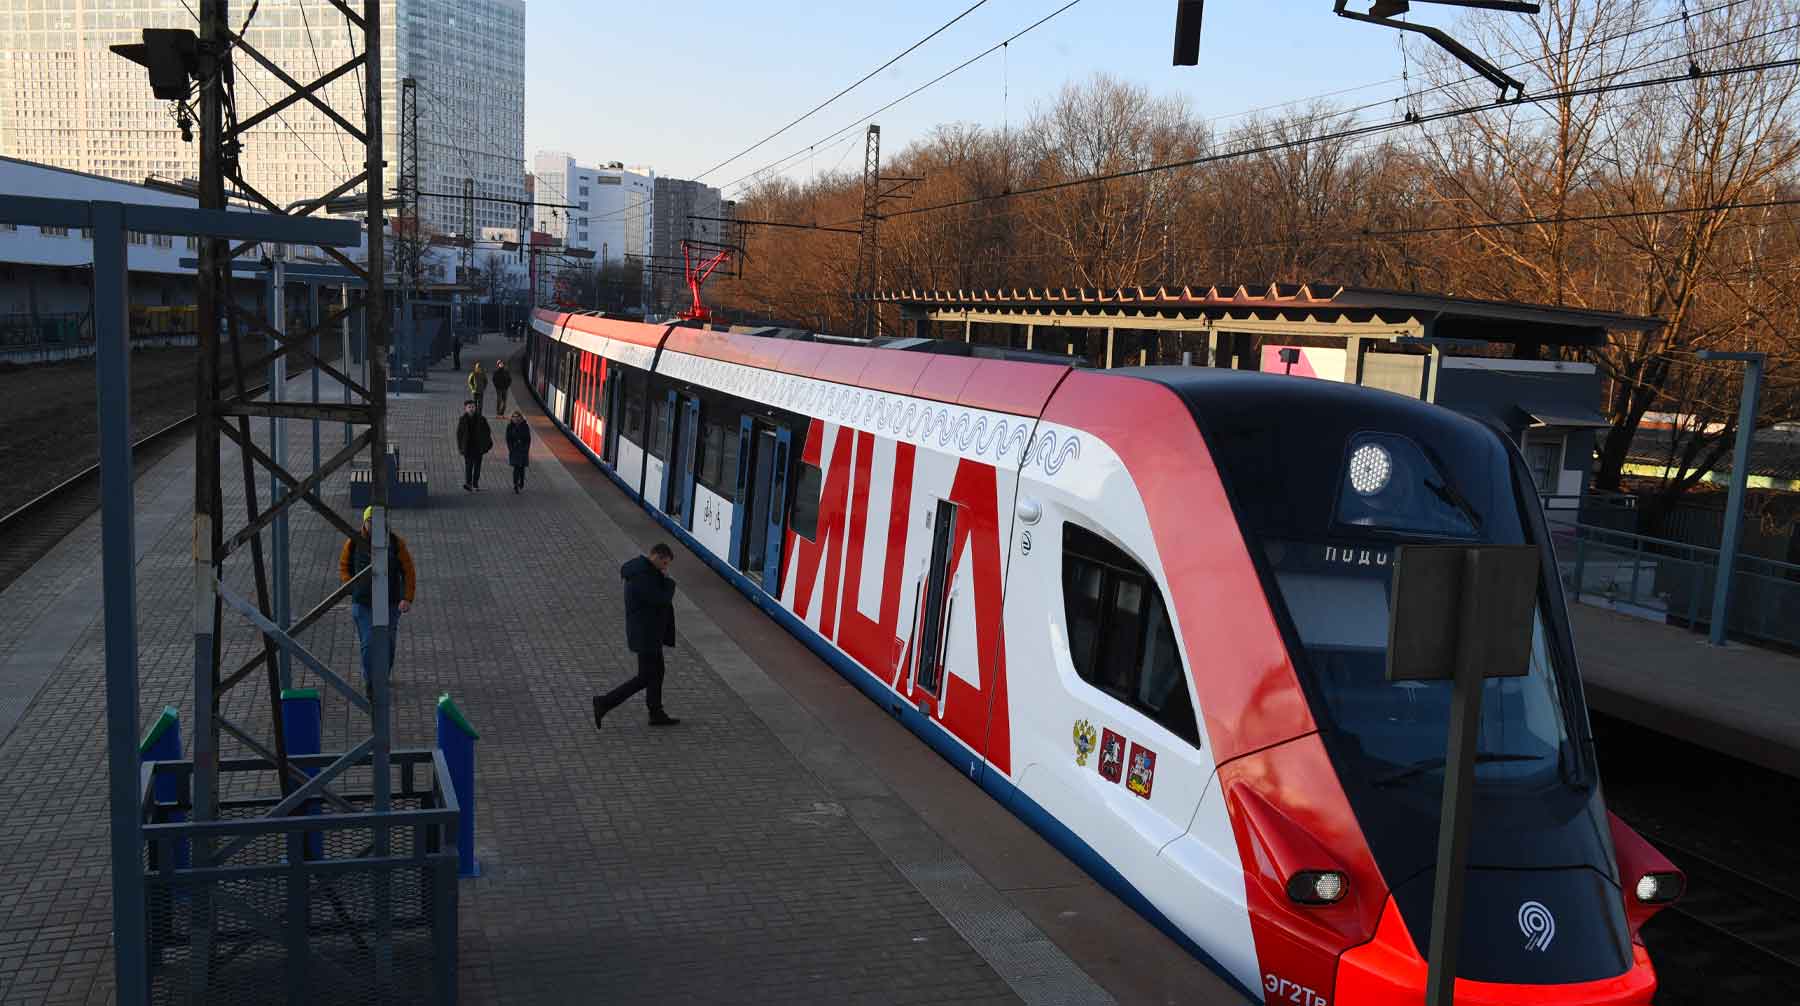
863	80
947	73
1353	132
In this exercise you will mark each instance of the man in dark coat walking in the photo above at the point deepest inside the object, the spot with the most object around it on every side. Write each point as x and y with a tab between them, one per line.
474	438
649	626
502	380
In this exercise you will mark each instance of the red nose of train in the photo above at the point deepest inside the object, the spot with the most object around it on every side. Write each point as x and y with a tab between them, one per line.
1388	971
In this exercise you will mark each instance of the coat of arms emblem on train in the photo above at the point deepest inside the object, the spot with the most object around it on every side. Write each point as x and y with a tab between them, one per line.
1084	741
1143	771
1112	756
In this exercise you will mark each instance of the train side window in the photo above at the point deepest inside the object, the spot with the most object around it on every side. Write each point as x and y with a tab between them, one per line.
1120	637
712	454
659	425
633	391
728	456
804	517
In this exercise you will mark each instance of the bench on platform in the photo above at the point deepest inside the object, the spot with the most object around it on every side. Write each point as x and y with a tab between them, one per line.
407	487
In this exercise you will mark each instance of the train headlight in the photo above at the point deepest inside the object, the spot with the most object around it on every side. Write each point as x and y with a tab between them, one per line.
1659	888
1317	887
1370	469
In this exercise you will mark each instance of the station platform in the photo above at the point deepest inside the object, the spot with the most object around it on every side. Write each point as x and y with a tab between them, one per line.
788	842
1739	700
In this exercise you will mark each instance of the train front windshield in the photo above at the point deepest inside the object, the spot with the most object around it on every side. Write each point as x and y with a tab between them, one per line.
1394	733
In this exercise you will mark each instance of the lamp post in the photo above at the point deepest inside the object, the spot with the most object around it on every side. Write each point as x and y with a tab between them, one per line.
1740	478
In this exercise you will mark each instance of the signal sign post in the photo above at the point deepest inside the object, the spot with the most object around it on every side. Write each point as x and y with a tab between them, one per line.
1461	613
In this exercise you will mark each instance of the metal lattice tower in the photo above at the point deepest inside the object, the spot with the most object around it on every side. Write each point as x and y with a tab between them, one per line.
408	237
237	347
468	230
868	259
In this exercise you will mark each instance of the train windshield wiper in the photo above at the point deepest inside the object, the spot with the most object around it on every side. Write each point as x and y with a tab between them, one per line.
1428	764
1447	492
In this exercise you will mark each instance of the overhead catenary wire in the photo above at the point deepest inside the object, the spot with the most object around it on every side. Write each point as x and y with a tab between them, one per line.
1724	5
965	64
860	81
319	66
1352	132
1362	133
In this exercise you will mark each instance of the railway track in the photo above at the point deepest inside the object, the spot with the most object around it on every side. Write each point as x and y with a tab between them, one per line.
1760	918
34	528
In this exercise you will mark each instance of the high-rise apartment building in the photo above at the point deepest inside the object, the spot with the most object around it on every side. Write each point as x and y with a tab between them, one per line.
678	202
67	100
609	211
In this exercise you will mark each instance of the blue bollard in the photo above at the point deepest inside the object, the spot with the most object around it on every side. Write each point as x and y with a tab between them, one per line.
301	722
162	742
456	739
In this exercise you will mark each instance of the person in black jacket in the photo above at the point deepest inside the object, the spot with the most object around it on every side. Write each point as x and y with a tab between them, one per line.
649	626
474	438
518	448
502	380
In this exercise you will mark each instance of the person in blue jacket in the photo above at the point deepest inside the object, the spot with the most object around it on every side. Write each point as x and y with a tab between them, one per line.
649	626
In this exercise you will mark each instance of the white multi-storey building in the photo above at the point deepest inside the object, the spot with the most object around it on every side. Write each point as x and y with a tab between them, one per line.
68	101
611	208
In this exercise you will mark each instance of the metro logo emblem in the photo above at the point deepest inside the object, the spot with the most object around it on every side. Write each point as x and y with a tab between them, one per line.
1538	925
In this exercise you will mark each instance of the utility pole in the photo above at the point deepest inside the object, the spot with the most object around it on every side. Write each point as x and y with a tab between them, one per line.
868	250
868	257
1733	531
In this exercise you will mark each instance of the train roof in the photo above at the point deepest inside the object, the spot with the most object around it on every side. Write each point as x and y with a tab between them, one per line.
1215	393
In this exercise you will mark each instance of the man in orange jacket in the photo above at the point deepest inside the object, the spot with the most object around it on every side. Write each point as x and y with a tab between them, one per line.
403	581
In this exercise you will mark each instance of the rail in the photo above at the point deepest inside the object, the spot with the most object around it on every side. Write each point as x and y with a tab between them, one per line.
1673	581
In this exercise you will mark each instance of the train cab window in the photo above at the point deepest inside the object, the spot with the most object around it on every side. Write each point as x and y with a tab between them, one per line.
1120	637
804	518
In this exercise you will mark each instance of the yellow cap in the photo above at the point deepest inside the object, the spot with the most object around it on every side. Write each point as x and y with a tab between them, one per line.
368	514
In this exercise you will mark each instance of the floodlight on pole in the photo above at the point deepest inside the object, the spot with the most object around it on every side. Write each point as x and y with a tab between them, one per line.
172	55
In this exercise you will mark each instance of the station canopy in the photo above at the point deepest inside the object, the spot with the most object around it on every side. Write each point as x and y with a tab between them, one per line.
1300	309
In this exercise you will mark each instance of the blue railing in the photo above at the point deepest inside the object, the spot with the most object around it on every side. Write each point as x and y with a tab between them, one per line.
1673	581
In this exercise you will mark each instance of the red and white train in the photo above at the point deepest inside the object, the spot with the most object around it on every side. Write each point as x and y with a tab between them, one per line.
1147	611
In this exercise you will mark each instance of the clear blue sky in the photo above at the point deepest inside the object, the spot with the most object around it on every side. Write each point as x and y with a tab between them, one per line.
682	86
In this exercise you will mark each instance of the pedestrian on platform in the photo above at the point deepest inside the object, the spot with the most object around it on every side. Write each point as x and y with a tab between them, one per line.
403	583
518	448
478	381
455	351
474	438
502	381
649	626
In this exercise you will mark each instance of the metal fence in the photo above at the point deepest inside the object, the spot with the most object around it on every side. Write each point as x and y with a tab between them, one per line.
299	908
39	338
1673	581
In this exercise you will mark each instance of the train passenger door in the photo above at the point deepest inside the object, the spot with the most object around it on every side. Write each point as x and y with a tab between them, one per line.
609	413
938	603
762	490
566	384
678	483
690	458
777	523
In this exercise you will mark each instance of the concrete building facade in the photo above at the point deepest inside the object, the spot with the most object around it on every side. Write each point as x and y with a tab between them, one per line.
67	101
612	205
